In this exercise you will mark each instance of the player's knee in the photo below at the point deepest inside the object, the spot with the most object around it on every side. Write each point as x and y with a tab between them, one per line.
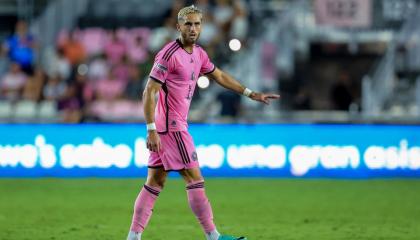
191	175
161	183
191	180
156	182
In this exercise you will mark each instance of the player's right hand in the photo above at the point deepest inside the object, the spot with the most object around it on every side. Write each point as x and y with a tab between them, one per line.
153	141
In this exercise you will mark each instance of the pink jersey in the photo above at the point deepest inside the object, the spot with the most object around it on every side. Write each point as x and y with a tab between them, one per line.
177	71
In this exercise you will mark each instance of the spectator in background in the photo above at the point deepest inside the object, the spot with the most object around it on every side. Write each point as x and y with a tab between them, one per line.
110	88
98	68
230	105
115	48
83	94
4	64
73	50
63	66
302	100
121	69
340	93
223	14
204	5
135	85
210	35
33	88
138	50
70	105
12	83
162	35
176	6
239	28
56	62
20	47
54	89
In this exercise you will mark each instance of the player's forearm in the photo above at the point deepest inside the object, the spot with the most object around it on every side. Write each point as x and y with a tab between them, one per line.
149	104
229	82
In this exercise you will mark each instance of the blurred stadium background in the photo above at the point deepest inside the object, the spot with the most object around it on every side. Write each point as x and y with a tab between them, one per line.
332	61
348	71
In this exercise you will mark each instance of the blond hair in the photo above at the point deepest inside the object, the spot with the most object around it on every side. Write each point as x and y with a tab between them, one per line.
188	10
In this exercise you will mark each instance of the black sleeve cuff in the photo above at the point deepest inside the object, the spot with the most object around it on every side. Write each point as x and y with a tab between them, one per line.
156	80
214	68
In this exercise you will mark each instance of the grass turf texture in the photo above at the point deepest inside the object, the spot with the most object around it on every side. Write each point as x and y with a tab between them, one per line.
261	209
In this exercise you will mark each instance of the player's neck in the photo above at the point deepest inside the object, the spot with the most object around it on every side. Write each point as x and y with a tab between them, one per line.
186	46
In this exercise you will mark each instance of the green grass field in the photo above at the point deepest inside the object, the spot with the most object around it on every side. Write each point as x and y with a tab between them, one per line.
261	209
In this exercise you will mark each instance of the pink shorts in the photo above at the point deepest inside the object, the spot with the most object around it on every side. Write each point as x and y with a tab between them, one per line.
177	152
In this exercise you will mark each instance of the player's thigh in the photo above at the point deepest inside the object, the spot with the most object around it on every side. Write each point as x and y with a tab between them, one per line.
156	177
191	175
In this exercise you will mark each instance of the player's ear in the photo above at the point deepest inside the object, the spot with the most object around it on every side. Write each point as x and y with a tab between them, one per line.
178	27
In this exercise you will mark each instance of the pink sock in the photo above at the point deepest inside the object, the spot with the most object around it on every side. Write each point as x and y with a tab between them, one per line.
143	207
200	205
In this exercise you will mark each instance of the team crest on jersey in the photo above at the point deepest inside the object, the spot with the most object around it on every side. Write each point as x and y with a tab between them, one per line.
194	156
173	123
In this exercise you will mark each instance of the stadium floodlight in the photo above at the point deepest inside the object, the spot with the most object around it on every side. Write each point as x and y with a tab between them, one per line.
235	44
203	82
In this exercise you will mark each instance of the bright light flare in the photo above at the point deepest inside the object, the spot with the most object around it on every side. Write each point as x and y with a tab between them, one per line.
203	82
235	45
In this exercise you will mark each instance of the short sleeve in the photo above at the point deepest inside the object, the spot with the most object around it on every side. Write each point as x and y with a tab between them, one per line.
160	69
207	66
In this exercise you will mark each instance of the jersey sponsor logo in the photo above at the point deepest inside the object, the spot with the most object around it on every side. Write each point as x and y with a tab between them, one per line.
161	67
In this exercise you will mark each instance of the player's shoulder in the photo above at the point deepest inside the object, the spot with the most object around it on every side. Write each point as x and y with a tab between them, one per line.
168	50
200	49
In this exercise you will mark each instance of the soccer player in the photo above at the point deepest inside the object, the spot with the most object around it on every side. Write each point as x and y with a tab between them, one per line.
174	76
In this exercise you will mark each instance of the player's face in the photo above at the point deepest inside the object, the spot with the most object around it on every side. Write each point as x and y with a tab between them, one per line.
190	28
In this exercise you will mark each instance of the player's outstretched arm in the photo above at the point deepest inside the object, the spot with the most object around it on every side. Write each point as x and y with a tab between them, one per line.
226	81
149	104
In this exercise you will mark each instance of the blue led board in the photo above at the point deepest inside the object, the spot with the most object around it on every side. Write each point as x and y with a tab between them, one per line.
291	150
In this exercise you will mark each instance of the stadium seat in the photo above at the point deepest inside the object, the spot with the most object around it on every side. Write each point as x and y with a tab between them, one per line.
94	40
5	110
25	111
47	111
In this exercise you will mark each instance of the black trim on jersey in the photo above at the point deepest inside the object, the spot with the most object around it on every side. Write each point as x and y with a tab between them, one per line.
171	53
165	90
180	44
169	49
214	68
156	80
181	151
183	145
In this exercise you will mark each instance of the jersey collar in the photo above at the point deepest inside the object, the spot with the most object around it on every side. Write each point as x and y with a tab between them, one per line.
182	46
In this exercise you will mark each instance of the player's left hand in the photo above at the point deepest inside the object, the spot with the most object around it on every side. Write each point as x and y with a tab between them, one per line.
264	97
